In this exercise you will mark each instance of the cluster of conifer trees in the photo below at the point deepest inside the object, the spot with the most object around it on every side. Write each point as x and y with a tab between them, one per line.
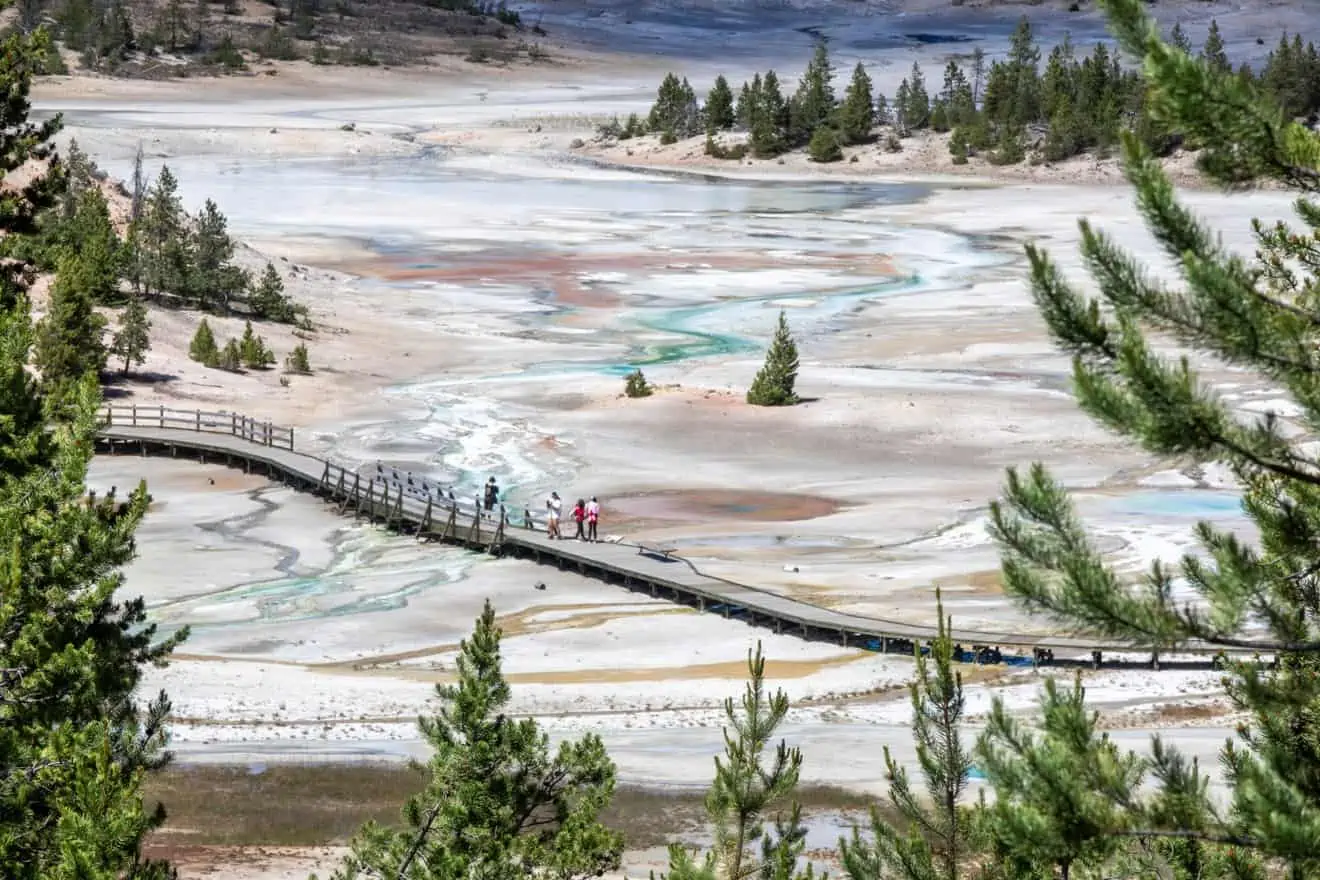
1007	110
107	33
167	257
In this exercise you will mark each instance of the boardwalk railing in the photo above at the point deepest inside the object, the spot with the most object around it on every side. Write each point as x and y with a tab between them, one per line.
411	502
234	424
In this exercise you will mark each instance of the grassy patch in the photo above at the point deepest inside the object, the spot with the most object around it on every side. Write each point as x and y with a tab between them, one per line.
315	805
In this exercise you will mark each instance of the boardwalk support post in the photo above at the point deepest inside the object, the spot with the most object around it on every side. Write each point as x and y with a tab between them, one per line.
426	520
474	533
497	541
1095	660
1155	660
451	527
370	501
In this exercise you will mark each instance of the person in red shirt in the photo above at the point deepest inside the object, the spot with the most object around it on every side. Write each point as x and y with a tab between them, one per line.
579	516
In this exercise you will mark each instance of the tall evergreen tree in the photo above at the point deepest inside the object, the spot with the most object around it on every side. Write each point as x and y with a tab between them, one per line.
749	790
497	803
917	113
1178	39
775	381
70	342
813	103
1257	314
74	744
214	280
164	237
933	841
767	130
133	242
1212	51
857	114
719	106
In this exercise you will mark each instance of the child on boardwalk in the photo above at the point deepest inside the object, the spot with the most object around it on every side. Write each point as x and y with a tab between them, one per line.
579	517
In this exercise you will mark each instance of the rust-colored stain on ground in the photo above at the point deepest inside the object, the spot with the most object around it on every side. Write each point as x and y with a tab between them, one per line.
564	274
707	505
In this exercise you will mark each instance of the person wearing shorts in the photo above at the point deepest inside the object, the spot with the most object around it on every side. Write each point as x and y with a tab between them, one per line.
553	507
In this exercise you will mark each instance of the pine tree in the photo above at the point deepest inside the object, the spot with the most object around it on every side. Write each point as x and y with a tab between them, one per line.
958	146
775	381
133	340
230	357
978	74
1037	814
267	300
70	341
745	109
1258	315
719	106
74	743
747	791
163	240
675	109
298	361
916	115
857	114
635	385
203	348
767	129
1178	39
825	145
1212	51
253	351
813	103
497	802
883	113
214	280
933	843
88	241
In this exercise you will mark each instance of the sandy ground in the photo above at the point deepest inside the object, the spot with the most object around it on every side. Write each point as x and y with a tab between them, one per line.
478	291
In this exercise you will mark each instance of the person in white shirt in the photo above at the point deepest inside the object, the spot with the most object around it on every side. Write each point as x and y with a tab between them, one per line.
553	507
593	514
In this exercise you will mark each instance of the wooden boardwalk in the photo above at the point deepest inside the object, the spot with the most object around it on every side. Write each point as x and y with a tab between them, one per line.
409	502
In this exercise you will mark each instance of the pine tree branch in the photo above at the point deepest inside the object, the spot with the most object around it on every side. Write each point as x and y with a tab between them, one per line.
420	838
1184	834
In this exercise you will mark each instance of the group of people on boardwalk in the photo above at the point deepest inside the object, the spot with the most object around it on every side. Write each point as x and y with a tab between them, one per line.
585	515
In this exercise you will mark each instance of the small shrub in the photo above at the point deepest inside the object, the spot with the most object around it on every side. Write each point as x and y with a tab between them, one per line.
635	385
668	137
478	55
278	45
227	55
824	145
320	54
203	348
893	144
52	62
298	361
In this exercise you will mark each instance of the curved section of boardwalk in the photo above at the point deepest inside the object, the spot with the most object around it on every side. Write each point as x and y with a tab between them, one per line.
416	504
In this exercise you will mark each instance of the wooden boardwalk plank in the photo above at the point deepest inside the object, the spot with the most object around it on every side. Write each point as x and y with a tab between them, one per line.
407	500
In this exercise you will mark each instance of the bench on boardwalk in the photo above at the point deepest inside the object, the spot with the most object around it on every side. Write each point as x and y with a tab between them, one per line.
664	554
